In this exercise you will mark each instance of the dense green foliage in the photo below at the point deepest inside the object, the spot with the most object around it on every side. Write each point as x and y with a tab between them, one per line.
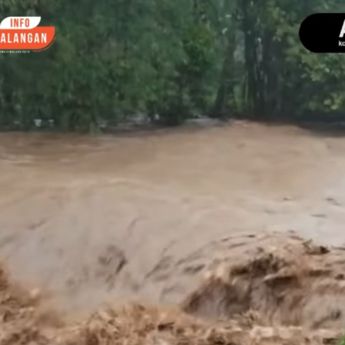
168	60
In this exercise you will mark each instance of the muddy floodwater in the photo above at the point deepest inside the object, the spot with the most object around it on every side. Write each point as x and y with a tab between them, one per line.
88	219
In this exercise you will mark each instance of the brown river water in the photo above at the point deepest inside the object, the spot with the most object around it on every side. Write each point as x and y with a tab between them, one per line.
88	219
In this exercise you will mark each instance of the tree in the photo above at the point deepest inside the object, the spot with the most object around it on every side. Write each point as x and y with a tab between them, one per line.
113	60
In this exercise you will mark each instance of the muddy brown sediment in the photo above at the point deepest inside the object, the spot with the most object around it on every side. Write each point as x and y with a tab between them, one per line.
92	219
286	280
282	291
183	220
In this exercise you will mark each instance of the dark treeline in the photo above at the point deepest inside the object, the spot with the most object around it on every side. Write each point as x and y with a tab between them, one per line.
168	60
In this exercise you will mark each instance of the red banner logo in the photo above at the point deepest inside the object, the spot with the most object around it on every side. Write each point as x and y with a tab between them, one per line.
23	33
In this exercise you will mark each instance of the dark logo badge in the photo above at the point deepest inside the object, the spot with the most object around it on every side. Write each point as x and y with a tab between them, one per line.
324	33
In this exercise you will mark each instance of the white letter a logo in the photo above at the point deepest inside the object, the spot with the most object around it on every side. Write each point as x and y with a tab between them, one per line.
342	33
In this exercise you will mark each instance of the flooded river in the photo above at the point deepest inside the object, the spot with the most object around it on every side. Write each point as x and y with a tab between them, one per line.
86	219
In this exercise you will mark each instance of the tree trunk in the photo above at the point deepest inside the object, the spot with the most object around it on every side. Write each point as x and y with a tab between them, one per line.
225	83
